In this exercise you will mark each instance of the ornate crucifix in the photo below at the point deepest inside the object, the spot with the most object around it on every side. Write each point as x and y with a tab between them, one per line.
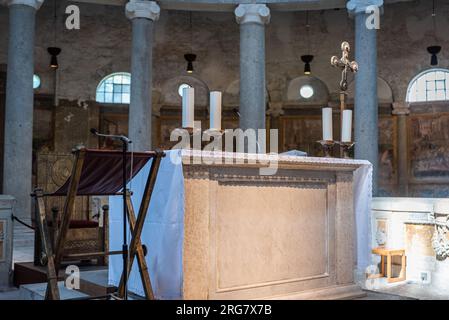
346	66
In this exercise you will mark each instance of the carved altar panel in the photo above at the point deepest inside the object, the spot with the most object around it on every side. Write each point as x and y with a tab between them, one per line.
428	145
270	255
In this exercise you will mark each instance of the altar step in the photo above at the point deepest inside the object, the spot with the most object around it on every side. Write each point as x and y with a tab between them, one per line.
31	281
36	291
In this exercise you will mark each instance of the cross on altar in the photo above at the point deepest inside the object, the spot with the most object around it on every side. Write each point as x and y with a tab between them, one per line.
345	64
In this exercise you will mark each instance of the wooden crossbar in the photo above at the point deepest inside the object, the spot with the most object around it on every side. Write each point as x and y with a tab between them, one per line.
135	246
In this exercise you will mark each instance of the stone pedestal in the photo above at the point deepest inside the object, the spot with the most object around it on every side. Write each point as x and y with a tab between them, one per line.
6	240
290	235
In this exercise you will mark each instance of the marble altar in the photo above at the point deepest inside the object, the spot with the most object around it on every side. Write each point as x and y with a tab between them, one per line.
242	235
289	235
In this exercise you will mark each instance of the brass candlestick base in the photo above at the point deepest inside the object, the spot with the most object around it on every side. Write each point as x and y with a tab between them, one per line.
328	147
214	132
345	148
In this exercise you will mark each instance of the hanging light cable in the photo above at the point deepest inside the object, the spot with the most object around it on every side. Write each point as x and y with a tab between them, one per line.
190	57
54	51
434	50
307	59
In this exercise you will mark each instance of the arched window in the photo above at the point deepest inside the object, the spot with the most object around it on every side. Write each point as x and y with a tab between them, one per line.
430	85
115	88
181	88
36	81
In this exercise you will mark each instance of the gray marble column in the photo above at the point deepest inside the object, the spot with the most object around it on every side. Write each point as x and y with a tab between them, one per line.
365	99
252	19
401	110
142	14
17	175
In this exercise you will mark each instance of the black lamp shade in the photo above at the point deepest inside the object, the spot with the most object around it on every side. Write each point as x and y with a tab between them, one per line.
434	50
307	59
190	57
54	52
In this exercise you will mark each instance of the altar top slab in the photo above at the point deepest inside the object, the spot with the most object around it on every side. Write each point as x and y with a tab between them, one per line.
217	158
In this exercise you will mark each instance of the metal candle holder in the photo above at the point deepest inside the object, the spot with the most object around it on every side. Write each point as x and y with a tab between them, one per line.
345	148
328	147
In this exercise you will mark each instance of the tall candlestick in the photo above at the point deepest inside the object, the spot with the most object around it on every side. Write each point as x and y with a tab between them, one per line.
327	124
215	110
188	109
347	126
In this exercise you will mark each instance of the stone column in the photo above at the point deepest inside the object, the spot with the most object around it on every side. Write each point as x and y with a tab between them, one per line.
401	110
365	99
252	19
17	173
142	14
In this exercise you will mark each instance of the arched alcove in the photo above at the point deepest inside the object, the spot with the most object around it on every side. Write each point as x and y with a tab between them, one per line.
231	96
170	91
384	92
306	90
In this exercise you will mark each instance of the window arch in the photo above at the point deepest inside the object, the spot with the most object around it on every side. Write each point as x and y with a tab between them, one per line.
429	85
115	88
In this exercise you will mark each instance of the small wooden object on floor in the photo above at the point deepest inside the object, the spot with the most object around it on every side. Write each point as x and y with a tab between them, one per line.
389	253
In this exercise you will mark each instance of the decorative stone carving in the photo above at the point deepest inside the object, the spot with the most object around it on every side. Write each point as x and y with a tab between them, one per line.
142	9
36	4
275	109
400	108
252	13
440	239
359	6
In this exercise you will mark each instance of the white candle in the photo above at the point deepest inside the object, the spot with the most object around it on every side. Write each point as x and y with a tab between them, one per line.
347	126
188	109
215	110
327	124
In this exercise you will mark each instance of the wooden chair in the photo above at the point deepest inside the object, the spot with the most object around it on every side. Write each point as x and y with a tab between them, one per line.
96	172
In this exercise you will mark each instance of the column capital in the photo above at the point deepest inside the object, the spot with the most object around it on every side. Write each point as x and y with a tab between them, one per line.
401	108
361	6
275	109
252	13
142	9
36	4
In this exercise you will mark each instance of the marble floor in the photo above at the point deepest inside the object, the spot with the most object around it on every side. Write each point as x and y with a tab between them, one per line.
24	247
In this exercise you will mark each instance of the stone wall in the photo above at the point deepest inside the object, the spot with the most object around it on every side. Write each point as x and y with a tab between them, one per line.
102	46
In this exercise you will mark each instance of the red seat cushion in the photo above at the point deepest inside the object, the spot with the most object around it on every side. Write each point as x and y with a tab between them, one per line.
80	224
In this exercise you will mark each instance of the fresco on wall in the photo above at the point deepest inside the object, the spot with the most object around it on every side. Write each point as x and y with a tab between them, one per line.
302	134
429	148
116	124
387	156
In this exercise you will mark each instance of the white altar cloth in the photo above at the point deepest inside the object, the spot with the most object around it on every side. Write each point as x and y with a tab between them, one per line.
163	229
162	233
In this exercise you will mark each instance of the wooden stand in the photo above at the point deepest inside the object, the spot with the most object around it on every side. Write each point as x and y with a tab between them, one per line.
54	252
389	253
